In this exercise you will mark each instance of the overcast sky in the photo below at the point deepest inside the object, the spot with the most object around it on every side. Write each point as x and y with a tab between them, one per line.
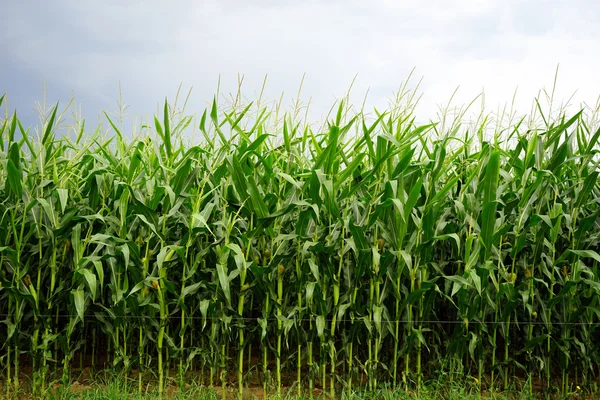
152	47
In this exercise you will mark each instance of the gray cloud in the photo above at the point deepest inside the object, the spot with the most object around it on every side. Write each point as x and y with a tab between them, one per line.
152	46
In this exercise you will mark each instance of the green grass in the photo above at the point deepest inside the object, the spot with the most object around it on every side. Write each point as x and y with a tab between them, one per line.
115	389
261	251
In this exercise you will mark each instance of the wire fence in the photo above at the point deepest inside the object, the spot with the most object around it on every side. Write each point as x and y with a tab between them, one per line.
338	320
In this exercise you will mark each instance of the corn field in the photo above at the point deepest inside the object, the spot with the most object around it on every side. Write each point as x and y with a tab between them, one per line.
366	254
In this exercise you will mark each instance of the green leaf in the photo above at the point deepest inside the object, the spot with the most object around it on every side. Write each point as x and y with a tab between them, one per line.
190	290
14	180
450	236
475	279
488	216
214	119
413	197
63	196
204	311
224	282
167	132
90	279
258	204
586	254
79	300
310	290
377	312
442	192
589	183
459	283
320	322
49	126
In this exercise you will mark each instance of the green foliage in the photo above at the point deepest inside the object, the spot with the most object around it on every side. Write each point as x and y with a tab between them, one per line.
371	253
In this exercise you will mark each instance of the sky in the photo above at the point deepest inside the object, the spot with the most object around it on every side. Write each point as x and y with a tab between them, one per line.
145	50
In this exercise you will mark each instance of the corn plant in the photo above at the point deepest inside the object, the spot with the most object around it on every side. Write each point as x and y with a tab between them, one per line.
368	252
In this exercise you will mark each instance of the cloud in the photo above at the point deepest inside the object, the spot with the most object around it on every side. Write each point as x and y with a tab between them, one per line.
152	46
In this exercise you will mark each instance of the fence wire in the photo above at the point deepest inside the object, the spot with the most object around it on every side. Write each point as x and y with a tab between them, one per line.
338	320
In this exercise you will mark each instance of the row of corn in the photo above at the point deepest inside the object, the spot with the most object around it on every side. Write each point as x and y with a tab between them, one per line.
371	252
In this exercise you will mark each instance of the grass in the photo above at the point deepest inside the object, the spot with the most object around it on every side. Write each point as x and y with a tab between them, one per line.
116	389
